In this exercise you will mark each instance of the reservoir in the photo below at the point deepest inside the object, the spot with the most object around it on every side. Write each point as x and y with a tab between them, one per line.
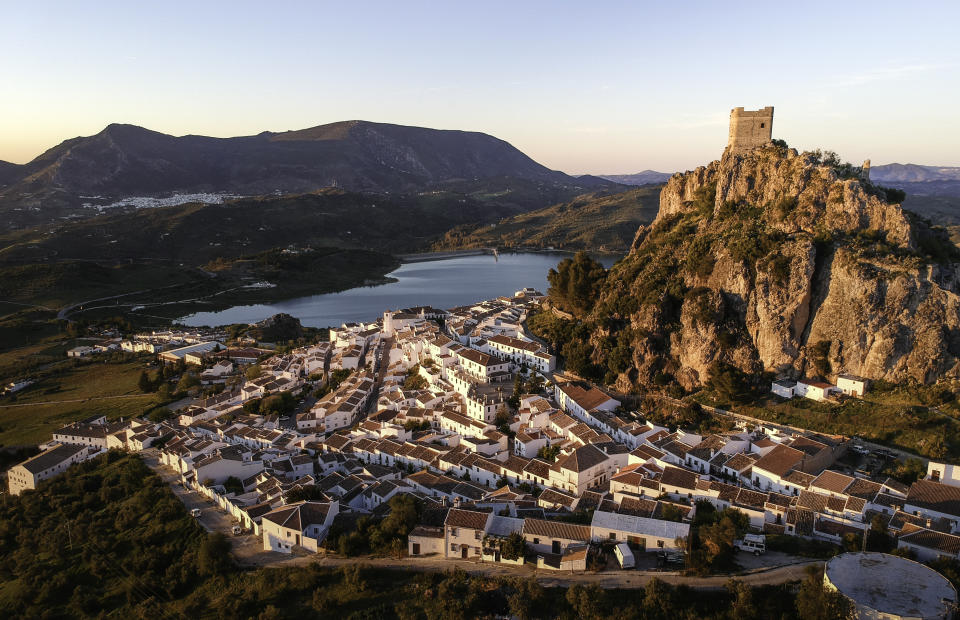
441	283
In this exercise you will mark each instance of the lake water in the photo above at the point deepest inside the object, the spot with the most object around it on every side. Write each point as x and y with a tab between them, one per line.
441	284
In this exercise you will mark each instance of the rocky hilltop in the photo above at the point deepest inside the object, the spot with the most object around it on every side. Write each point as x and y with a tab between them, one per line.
774	260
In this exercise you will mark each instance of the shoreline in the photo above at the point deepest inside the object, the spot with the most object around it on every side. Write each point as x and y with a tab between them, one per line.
423	257
442	255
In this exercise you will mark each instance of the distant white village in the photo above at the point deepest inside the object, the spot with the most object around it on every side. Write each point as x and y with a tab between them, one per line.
425	403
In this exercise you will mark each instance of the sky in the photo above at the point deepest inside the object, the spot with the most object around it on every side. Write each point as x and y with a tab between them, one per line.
584	87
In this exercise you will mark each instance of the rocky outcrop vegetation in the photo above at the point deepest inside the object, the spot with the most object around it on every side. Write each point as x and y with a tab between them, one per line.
781	262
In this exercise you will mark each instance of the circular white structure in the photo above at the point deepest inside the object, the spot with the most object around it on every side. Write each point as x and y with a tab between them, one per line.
888	586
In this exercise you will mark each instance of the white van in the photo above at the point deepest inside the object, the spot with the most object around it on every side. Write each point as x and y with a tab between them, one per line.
195	512
624	555
754	543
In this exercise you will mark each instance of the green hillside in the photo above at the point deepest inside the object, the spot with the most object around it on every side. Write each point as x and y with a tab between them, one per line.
596	222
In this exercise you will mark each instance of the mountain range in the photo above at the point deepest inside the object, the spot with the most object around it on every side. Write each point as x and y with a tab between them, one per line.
639	178
123	161
913	173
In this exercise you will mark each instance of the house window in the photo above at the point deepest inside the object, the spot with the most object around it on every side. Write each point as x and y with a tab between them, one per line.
536	541
762	125
453	531
453	547
660	544
613	535
476	534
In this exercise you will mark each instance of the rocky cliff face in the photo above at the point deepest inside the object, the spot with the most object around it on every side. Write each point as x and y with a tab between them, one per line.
772	260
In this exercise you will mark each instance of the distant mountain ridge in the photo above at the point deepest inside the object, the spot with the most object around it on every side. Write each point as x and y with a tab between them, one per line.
639	178
913	173
361	156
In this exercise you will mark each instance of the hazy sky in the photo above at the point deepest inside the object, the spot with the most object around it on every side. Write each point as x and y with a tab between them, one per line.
586	87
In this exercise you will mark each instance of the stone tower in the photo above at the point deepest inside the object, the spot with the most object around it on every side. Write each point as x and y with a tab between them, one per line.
750	129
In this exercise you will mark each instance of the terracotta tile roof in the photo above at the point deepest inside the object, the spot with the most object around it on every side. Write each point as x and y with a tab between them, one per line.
836	504
740	462
647	452
779	500
299	516
855	504
751	499
589	500
587	399
680	478
836	529
676	448
940	541
832	481
637	506
813	501
802	520
901	520
779	461
891	501
538	468
864	489
799	478
556	529
725	492
555	498
651	483
807	445
629	477
583	458
469	519
935	496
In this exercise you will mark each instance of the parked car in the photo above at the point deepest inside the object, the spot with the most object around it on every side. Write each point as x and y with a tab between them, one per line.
754	543
665	558
195	513
859	449
237	530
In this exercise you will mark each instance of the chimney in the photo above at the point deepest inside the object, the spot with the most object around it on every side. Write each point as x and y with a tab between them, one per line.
456	502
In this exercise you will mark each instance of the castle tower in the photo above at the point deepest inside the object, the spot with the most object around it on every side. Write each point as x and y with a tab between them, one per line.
750	129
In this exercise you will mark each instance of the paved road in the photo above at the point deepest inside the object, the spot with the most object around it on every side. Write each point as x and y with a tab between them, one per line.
609	579
249	553
75	400
212	518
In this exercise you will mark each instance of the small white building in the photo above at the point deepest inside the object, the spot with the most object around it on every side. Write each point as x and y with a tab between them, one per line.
464	531
852	385
81	351
784	388
814	390
943	473
425	540
304	524
647	534
55	461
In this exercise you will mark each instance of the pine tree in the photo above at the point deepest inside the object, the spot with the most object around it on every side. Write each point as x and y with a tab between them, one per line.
144	383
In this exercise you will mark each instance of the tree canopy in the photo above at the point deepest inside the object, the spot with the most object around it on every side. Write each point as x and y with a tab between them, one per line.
575	282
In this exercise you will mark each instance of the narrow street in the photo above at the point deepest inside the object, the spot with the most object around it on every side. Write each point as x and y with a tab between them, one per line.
245	547
625	579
